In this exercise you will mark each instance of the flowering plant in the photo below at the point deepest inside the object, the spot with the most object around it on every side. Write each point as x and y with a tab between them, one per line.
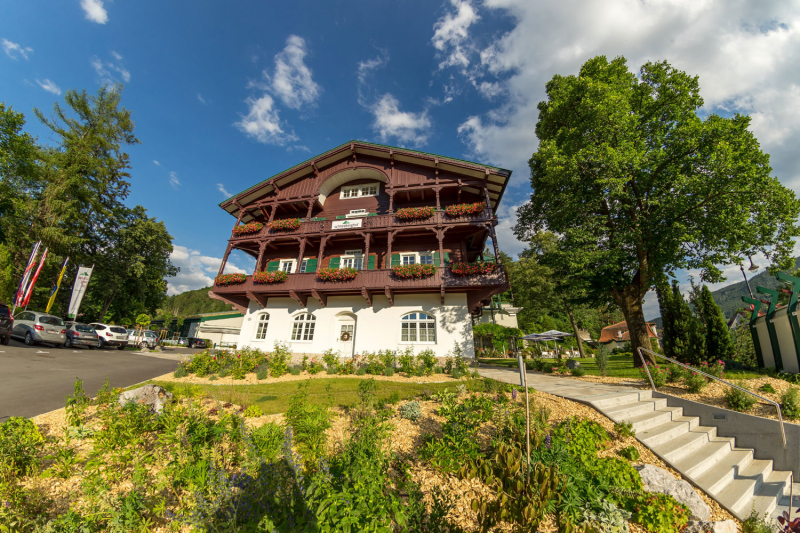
716	369
410	213
562	369
284	224
413	271
337	274
252	227
465	269
277	276
230	279
465	209
658	373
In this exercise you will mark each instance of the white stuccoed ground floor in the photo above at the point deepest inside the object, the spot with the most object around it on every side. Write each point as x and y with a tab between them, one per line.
374	327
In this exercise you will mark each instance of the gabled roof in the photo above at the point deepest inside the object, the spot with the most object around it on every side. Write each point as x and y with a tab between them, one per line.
612	332
498	176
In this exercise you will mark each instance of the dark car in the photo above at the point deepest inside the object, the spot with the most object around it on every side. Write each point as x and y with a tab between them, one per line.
192	342
6	324
81	335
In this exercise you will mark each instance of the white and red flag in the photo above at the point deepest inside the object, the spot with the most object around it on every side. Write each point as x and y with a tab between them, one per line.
33	280
19	297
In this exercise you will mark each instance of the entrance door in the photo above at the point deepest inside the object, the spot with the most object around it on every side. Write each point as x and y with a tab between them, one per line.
346	335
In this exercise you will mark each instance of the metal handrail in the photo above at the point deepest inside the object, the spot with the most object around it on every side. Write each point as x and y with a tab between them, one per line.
776	404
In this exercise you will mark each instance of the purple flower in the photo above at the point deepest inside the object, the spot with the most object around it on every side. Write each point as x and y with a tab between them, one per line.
548	441
514	394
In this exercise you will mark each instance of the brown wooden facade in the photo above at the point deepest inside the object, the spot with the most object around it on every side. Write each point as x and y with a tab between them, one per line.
313	192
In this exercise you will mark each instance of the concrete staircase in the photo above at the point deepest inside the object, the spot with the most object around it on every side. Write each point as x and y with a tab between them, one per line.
731	475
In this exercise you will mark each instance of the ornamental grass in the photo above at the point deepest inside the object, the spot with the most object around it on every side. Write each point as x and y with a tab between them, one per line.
337	274
466	269
244	229
465	209
412	213
285	224
413	271
277	276
230	279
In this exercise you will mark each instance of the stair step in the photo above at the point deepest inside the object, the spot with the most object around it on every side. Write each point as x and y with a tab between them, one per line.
607	401
741	491
655	418
714	479
706	456
773	490
682	445
666	432
629	410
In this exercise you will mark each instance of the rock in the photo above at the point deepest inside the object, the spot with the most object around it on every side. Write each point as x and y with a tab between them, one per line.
158	349
659	480
699	526
153	396
573	364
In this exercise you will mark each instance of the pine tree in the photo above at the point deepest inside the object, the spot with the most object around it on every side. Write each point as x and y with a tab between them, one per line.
696	349
668	332
718	339
679	325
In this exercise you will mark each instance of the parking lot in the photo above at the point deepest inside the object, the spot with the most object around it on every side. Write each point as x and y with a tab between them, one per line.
37	379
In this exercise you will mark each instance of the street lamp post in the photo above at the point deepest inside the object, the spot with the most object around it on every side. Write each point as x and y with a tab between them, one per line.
753	268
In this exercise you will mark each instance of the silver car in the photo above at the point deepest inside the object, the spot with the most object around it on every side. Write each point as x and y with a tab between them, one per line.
142	339
33	327
81	335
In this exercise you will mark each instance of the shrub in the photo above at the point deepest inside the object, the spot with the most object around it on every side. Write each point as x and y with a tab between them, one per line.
756	523
674	373
607	518
630	453
180	372
660	513
406	361
695	382
657	373
331	359
624	429
295	370
315	367
389	371
20	441
426	360
393	398
348	367
601	359
578	372
388	358
224	372
362	371
279	360
262	371
739	400
309	423
253	411
790	404
268	440
411	411
767	387
438	370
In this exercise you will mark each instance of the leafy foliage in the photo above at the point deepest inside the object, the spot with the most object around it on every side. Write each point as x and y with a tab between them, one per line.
739	400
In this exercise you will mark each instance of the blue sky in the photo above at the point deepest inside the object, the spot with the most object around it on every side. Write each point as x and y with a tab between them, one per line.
225	94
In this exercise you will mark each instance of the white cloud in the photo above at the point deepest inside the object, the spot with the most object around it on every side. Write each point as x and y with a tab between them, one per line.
173	180
198	270
110	72
49	86
506	240
405	127
95	11
365	67
262	122
451	34
13	50
202	100
156	162
221	188
292	81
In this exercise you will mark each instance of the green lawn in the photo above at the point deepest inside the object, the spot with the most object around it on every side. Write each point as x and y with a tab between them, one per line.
619	366
274	398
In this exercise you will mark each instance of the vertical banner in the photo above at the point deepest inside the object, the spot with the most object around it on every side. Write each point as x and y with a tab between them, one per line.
29	291
81	281
57	286
19	297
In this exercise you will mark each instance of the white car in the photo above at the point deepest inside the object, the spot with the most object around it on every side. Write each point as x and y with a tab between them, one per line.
111	335
142	339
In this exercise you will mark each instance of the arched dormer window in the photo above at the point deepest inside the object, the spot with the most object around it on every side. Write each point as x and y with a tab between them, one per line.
303	327
263	323
418	327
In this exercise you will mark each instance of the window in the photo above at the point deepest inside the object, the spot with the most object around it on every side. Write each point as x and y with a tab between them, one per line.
261	330
426	258
303	327
303	265
99	327
418	327
358	191
408	259
352	259
287	265
356	213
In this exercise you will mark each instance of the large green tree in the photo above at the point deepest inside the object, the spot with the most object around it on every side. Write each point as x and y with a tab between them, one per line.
719	344
636	184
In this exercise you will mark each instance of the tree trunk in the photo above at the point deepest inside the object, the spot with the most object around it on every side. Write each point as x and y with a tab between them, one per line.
630	302
575	329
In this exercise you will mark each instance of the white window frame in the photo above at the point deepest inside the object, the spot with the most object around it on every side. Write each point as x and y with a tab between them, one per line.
351	254
418	257
356	213
307	323
417	321
349	190
413	255
427	254
303	265
292	262
262	334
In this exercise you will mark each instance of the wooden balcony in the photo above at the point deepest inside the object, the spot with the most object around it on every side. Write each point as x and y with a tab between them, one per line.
375	222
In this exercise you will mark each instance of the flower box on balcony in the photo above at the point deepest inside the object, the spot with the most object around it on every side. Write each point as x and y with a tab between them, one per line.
337	274
277	276
245	229
413	271
414	213
465	209
230	279
285	224
466	269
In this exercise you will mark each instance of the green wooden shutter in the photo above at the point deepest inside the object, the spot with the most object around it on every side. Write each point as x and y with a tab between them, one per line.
436	259
447	258
334	262
311	265
339	217
272	266
371	262
395	259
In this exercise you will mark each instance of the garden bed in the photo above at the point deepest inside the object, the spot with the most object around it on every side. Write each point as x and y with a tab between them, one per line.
251	378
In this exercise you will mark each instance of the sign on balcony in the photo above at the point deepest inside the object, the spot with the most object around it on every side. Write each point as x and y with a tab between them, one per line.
347	224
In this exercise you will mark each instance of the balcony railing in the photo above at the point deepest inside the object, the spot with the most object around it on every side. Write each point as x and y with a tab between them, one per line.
369	279
315	227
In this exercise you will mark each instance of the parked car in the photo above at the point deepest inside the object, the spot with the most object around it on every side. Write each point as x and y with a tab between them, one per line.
6	324
81	335
33	327
142	339
111	335
192	342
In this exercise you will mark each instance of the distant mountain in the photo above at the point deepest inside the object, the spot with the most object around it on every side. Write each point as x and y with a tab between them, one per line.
192	303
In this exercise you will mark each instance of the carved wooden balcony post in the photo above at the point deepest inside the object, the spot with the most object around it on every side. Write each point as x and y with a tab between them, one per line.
391	200
367	238
272	213
224	259
310	208
261	248
390	238
302	252
321	250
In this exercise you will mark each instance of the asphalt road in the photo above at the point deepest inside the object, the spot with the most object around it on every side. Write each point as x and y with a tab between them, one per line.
37	379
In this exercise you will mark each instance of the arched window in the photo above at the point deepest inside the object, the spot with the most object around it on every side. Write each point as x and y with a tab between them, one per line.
303	328
418	327
263	323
